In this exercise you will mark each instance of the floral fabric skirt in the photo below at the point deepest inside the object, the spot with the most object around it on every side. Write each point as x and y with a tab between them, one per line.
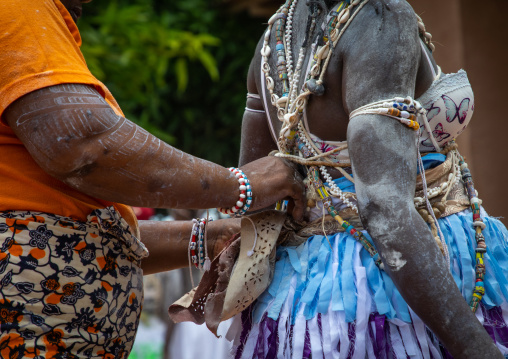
335	303
68	289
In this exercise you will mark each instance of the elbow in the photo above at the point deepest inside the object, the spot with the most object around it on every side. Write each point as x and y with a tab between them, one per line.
382	215
69	165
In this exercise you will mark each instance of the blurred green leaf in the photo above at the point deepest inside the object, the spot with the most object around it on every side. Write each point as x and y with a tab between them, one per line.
177	68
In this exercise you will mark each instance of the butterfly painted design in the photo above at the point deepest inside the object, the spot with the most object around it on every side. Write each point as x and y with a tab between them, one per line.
453	111
432	112
438	134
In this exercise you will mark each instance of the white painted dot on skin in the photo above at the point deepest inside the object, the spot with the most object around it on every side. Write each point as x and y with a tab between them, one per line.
394	260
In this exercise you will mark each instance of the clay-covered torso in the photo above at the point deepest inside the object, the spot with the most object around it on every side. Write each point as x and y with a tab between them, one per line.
327	116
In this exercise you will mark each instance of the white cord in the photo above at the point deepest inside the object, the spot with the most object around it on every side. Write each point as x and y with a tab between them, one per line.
251	252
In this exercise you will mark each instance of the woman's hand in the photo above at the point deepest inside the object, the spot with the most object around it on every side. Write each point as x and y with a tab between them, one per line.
273	179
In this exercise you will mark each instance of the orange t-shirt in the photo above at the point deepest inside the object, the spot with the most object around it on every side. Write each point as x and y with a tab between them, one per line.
39	47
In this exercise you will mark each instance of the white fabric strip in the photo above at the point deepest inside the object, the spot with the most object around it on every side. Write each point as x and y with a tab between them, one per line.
333	319
315	338
396	342
325	327
344	337
421	334
370	348
299	334
406	333
363	305
236	327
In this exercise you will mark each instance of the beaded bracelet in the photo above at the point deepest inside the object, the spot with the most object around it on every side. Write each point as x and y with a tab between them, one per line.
244	202
198	254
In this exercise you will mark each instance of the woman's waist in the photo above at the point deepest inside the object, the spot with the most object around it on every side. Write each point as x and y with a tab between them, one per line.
100	223
28	188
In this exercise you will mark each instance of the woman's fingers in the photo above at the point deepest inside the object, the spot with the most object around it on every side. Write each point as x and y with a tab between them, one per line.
273	179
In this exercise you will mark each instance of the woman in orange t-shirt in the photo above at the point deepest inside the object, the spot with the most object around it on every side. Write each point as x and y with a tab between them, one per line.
71	164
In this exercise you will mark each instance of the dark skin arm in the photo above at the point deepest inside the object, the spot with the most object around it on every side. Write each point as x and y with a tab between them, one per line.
168	242
257	141
384	154
74	135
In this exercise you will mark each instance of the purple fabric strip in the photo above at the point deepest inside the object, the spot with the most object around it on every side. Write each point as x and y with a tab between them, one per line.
291	335
273	340
246	327
352	339
372	337
259	350
487	320
380	321
307	353
445	352
268	341
385	347
498	323
320	326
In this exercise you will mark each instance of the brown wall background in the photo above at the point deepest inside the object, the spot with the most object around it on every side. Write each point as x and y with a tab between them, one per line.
473	35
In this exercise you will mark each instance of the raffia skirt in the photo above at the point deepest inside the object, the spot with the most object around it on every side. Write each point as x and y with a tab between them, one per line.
335	302
68	289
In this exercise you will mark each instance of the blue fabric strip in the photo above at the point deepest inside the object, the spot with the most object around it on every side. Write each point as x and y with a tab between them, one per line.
376	285
432	160
325	293
321	283
347	279
280	298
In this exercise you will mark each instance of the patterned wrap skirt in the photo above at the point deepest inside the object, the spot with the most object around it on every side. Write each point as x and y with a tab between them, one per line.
329	300
68	289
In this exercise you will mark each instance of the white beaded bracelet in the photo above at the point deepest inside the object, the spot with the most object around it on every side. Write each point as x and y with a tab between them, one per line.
245	200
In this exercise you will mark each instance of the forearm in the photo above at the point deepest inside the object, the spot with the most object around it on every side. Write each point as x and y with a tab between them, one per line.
168	242
417	267
385	185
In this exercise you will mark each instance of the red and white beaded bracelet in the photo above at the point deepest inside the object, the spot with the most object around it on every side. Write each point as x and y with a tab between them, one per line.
244	202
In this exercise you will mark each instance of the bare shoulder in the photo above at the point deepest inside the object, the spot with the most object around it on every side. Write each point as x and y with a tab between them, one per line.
380	53
253	78
395	7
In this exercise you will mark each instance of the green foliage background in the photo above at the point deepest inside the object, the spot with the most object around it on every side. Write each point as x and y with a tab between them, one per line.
178	68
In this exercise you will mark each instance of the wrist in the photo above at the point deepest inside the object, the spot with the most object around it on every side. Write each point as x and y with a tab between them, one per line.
244	200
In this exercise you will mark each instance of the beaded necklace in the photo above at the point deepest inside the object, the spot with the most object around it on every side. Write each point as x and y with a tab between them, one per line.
294	139
292	130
